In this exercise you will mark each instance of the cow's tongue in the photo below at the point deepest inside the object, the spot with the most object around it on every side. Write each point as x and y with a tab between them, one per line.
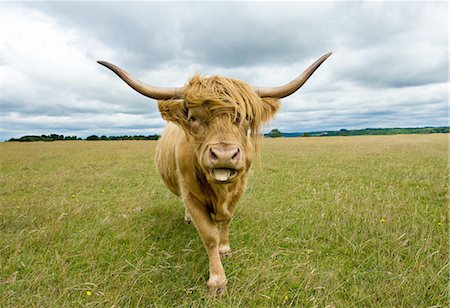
221	175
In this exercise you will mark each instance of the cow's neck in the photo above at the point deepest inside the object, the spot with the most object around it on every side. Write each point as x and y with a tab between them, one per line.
219	196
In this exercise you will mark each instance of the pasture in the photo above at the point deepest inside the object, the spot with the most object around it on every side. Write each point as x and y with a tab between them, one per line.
338	221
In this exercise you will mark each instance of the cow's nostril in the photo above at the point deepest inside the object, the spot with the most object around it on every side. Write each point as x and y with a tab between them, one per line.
212	155
236	155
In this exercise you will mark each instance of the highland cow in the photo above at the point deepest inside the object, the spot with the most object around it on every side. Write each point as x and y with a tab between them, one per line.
207	148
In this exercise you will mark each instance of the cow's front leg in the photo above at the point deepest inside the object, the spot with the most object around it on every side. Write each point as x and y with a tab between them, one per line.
224	244
209	233
223	218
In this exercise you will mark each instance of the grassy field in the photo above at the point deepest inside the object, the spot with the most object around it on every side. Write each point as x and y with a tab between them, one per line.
339	221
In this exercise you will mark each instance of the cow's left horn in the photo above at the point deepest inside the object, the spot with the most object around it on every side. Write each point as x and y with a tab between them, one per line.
294	85
143	88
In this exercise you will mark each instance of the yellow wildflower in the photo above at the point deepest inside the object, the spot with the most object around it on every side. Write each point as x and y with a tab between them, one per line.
382	220
88	293
73	195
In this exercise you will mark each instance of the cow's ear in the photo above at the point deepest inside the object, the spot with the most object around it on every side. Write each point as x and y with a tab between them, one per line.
271	106
173	111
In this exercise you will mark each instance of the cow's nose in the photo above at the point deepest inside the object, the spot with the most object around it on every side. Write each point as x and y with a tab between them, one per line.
224	154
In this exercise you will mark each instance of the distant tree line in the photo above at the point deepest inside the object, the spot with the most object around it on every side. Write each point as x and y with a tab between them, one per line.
273	134
56	137
358	132
383	131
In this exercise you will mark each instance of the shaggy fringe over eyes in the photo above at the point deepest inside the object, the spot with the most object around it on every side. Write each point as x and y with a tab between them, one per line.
226	96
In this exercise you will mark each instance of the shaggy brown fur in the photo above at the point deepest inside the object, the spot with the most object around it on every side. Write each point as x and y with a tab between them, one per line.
222	96
215	111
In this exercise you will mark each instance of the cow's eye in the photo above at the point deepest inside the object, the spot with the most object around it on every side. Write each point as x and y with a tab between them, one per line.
239	120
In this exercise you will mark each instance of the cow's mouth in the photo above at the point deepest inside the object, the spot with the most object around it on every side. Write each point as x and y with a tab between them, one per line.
223	175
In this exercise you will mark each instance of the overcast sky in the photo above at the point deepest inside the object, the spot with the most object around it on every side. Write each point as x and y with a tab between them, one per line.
389	66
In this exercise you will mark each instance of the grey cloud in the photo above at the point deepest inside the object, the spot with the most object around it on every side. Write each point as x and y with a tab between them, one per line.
81	126
377	44
220	33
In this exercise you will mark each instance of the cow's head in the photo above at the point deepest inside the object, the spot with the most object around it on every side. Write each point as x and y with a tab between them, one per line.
220	116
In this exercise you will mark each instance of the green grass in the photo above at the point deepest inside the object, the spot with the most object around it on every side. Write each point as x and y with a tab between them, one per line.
342	221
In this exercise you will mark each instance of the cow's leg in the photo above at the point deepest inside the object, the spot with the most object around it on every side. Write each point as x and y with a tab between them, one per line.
209	233
224	243
187	216
223	218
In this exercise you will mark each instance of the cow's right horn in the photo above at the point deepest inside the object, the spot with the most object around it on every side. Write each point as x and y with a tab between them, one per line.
143	88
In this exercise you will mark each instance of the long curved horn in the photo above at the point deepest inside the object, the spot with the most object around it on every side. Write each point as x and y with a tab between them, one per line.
294	85
143	88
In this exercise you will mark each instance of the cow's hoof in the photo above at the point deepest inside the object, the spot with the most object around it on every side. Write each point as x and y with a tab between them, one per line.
225	251
217	286
187	220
